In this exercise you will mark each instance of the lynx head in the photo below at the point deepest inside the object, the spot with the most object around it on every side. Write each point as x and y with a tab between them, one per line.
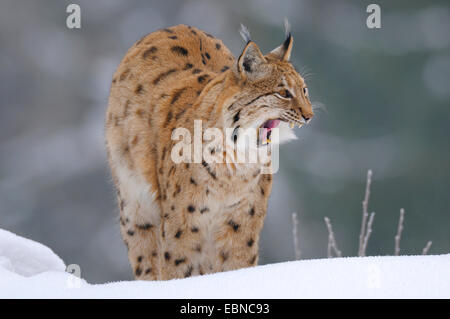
272	93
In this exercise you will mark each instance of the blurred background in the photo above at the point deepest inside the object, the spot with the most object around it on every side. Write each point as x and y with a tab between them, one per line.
385	106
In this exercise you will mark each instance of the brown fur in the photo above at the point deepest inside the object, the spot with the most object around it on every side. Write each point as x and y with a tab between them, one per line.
180	220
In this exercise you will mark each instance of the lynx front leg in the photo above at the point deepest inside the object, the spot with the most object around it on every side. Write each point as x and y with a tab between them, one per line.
237	239
182	239
188	217
201	236
142	242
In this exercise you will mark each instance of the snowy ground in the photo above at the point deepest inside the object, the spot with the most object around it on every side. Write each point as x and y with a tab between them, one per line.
31	270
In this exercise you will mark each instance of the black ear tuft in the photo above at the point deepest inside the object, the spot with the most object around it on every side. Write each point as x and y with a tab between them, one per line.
287	42
283	52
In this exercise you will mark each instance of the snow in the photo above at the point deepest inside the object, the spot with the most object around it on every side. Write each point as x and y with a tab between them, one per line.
25	257
31	270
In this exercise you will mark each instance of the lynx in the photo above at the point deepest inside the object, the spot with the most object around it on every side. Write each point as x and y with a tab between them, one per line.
184	219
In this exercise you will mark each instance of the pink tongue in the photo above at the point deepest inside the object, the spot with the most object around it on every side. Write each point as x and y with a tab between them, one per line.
270	124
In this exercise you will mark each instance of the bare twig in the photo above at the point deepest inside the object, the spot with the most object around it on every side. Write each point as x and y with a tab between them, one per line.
329	248
330	237
367	236
426	248
295	235
331	240
366	228
399	232
365	214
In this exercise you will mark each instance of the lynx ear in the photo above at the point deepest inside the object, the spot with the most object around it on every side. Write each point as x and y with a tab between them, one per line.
250	63
283	52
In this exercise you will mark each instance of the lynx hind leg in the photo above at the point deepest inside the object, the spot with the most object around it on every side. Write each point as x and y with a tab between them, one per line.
139	224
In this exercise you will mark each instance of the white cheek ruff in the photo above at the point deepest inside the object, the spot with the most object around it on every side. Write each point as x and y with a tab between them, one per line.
286	133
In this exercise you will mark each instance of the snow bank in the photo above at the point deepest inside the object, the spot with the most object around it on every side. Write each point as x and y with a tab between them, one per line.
31	270
26	257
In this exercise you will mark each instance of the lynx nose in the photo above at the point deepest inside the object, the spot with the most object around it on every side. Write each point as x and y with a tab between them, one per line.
307	118
305	111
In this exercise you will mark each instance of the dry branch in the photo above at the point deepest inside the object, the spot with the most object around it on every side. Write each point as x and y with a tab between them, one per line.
332	245
365	214
399	232
295	235
368	232
366	229
427	248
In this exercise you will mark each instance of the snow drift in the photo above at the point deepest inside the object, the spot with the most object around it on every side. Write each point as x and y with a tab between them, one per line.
31	270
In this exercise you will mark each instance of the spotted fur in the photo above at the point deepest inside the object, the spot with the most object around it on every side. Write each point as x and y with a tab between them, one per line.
181	220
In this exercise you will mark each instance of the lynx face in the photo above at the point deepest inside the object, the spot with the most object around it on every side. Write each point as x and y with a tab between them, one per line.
273	93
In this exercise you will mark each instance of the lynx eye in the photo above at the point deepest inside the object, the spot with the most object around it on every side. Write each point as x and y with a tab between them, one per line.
284	94
305	91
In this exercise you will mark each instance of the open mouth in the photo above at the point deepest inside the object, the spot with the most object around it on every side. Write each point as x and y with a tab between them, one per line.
265	130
